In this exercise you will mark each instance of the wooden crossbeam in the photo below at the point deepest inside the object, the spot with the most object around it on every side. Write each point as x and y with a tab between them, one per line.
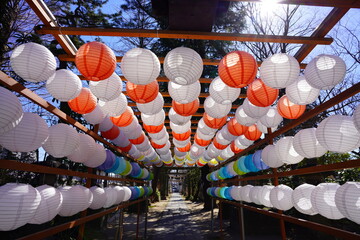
202	95
320	3
194	115
121	32
168	105
324	28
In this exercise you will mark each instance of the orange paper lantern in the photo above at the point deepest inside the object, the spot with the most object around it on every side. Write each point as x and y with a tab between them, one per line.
157	146
186	109
289	110
260	94
214	122
112	133
234	148
201	142
186	148
218	145
126	149
124	119
153	129
181	136
138	140
84	103
253	133
95	61
237	69
236	128
142	93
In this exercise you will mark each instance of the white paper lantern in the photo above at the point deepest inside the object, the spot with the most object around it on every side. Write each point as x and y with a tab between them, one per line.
301	199
269	156
325	71
127	193
280	197
280	70
220	138
285	151
152	107
18	205
254	194
178	119
254	111
356	117
114	107
135	133
159	135
96	116
216	110
338	134
183	65
111	196
11	111
323	200
121	140
245	193
145	145
75	199
239	145
161	141
99	197
131	127
272	118
205	129
97	157
227	153
107	89
235	193
184	93
140	66
222	93
64	85
226	134
33	62
85	150
62	141
262	128
264	195
120	193
300	92
105	125
242	118
306	144
197	150
164	149
347	200
181	144
50	204
180	128
204	136
244	141
30	134
154	119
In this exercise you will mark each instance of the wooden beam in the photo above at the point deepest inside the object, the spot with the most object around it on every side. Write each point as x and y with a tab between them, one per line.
339	233
320	3
210	62
194	115
68	225
168	105
324	28
121	32
202	95
28	167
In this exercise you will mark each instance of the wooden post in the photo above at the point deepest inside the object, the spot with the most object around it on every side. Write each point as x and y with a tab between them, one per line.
83	213
220	218
138	221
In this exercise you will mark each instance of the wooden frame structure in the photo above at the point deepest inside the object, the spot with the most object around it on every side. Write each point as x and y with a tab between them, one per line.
340	8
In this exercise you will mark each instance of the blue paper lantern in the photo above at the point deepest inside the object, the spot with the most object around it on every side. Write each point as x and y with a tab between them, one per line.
114	167
109	161
249	164
136	170
258	162
222	192
241	164
122	165
228	193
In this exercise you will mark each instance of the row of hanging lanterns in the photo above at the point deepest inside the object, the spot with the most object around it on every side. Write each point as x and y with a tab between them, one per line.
22	203
327	199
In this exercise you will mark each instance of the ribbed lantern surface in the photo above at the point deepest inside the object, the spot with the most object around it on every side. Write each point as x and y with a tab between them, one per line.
107	89
300	92
33	62
222	93
306	144
184	93
152	107
114	107
64	85
99	197
280	197
11	111
260	94
301	199
84	103
140	66
347	199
